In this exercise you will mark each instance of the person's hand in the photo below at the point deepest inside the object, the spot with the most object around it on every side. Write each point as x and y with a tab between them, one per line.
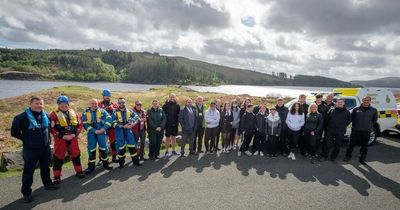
120	126
100	131
158	129
277	135
312	133
66	137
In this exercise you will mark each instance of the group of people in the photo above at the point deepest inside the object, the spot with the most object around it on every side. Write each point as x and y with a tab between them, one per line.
316	131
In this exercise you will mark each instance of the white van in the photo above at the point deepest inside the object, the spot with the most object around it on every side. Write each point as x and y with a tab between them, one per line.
382	99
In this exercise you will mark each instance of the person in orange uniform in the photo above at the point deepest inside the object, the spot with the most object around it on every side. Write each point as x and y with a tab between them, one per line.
66	125
110	107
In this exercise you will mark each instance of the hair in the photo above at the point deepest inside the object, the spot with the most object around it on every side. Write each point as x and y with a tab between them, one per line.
302	95
35	98
154	100
309	108
367	96
279	99
293	110
340	99
121	98
226	103
318	96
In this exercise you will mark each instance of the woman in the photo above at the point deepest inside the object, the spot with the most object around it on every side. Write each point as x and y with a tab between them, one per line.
273	129
235	125
294	121
312	130
259	146
242	112
226	126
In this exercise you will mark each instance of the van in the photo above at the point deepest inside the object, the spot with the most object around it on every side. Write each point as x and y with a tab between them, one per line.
382	99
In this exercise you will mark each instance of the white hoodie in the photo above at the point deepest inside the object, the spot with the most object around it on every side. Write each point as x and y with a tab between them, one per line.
295	121
212	118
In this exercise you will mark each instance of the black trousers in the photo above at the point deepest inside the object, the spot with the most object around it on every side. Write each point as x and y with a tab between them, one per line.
293	137
259	143
198	139
232	136
155	139
217	137
311	143
209	139
141	137
302	143
283	141
273	144
332	140
248	136
361	137
31	158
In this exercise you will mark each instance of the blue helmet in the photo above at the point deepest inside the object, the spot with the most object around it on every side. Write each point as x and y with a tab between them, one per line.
62	99
106	92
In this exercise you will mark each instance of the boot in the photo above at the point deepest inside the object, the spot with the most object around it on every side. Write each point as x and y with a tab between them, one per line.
114	159
135	161
80	175
90	169
106	165
121	162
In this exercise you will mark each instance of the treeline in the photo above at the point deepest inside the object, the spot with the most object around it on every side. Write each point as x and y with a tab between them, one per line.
135	67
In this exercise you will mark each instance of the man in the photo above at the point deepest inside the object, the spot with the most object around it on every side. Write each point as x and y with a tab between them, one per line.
363	120
110	107
187	119
304	106
96	122
123	120
323	110
283	112
171	110
139	129
219	107
200	110
329	101
66	125
156	120
32	128
337	120
263	102
249	126
212	117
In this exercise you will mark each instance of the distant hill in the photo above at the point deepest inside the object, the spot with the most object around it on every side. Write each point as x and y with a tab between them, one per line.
389	82
138	67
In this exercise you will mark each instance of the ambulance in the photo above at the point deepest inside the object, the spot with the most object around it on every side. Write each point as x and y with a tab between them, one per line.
382	99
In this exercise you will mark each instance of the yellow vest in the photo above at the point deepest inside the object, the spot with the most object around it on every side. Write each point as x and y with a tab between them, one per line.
119	116
63	122
88	114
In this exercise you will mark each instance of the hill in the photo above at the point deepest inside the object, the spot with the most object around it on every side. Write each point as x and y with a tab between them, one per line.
138	67
389	82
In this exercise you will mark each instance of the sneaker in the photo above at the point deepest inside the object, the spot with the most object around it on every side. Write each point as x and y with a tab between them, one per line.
27	199
256	153
80	175
175	153
261	154
239	153
362	161
167	155
182	154
293	157
290	155
234	146
57	180
248	153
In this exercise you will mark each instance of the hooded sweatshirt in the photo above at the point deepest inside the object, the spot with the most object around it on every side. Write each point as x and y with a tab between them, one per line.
295	121
274	124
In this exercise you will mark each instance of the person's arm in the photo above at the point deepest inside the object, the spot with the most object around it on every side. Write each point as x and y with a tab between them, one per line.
114	120
348	118
108	120
164	120
86	124
181	119
353	115
242	124
302	120
375	117
320	125
53	121
79	127
150	122
16	128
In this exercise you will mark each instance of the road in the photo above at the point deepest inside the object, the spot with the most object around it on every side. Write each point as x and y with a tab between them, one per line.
225	181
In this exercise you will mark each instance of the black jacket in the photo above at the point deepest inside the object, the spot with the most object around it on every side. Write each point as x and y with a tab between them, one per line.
314	122
283	112
248	122
257	109
337	120
364	118
32	138
323	109
261	124
171	110
225	122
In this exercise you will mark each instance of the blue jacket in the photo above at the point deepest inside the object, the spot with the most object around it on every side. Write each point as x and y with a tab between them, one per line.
187	126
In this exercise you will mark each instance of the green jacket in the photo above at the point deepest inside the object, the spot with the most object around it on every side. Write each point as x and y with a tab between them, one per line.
203	114
156	118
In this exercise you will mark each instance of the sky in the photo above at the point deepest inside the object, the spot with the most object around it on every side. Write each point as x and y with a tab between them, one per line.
343	39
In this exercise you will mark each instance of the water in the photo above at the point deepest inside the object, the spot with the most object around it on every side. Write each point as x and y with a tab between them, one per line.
10	88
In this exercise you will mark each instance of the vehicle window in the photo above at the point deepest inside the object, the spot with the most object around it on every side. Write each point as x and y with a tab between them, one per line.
349	102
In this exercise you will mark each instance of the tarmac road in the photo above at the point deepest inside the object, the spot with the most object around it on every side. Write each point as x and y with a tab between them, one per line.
225	181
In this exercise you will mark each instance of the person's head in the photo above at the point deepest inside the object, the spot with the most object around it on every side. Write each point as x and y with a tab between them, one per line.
213	105
227	106
272	110
263	108
138	105
318	99
235	104
189	102
172	97
366	101
313	108
154	104
36	104
247	102
302	99
280	102
63	103
263	100
238	99
340	103
218	102
106	95
199	100
93	104
296	108
249	107
121	103
329	98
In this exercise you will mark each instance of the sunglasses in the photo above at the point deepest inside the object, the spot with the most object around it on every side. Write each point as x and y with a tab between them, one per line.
138	104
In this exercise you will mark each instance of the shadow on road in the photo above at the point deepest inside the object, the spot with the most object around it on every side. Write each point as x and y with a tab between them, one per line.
326	173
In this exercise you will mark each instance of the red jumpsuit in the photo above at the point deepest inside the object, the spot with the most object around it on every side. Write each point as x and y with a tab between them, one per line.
64	124
110	108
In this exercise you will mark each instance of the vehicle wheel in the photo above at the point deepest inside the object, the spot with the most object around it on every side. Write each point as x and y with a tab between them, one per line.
373	136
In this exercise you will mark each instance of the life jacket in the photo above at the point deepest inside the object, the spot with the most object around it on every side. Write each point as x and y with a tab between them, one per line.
63	122
119	116
88	114
32	121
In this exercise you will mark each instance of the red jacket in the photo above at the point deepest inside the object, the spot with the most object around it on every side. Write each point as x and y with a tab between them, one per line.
142	114
110	108
58	130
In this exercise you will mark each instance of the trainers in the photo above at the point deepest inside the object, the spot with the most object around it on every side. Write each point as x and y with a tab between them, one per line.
290	155
248	153
239	153
261	154
57	180
293	157
362	161
167	155
183	154
256	153
175	153
27	199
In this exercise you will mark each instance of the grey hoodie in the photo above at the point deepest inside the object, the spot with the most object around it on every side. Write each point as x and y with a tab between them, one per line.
274	124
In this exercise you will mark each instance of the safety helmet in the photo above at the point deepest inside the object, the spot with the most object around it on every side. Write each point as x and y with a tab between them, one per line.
106	92
62	99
